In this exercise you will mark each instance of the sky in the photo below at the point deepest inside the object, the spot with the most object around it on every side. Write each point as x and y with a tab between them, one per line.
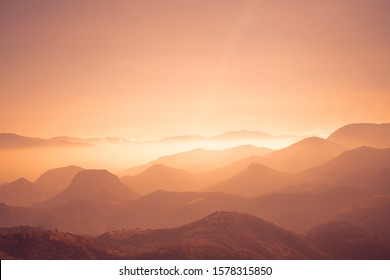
146	69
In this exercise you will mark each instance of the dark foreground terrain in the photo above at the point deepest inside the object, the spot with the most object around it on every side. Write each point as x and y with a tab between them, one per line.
221	235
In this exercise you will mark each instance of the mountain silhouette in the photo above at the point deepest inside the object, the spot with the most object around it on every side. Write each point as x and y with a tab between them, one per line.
200	160
15	141
94	185
344	241
221	235
354	167
161	177
20	193
159	209
302	155
28	243
56	180
254	180
363	134
379	183
242	134
370	214
300	211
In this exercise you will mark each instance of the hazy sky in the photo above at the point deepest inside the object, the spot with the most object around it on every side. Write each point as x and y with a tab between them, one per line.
152	68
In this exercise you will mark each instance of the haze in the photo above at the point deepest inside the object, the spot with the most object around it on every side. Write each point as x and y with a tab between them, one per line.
149	69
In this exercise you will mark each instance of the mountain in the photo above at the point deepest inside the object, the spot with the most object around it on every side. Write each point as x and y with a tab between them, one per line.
14	141
242	134
300	211
93	185
20	193
379	183
86	216
363	134
163	209
12	216
344	241
221	235
302	155
354	167
370	214
183	138
254	180
29	243
200	160
56	180
161	177
160	209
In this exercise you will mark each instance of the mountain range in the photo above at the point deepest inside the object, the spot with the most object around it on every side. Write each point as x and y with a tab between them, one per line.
318	190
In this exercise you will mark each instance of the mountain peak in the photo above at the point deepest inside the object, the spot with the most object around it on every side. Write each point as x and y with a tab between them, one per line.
95	184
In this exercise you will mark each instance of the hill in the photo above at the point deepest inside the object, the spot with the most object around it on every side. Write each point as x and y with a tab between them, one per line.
20	193
302	155
363	134
56	180
162	177
29	243
92	185
221	235
354	167
200	160
255	180
344	241
370	214
15	141
300	211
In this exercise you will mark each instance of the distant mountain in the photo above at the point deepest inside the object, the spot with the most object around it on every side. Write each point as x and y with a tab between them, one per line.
302	155
363	134
56	180
242	134
354	168
183	138
14	141
20	193
221	235
200	160
160	209
162	177
344	241
93	185
255	180
163	209
12	216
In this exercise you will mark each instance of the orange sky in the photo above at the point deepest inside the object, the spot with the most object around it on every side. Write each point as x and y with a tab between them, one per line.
147	69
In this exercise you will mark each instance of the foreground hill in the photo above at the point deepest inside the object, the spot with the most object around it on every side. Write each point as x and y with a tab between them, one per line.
221	235
348	242
27	243
92	185
363	134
